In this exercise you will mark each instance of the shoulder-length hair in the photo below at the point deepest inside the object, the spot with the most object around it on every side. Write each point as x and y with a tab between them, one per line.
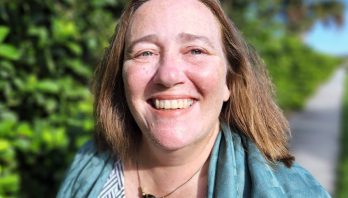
250	109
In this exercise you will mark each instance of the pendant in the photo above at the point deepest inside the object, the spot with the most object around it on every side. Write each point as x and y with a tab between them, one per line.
148	196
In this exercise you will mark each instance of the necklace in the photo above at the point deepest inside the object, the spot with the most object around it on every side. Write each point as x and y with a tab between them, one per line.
146	195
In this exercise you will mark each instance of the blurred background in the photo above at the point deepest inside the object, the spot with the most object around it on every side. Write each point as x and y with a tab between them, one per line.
49	48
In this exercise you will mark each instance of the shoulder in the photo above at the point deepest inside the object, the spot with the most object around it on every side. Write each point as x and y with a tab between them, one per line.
298	182
294	181
88	172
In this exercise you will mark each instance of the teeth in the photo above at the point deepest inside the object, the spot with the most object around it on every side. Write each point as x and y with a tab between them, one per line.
157	103
173	104
180	104
167	104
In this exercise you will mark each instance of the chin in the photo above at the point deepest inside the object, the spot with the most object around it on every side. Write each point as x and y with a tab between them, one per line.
171	140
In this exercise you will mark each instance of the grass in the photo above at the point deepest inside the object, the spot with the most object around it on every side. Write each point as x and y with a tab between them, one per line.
342	176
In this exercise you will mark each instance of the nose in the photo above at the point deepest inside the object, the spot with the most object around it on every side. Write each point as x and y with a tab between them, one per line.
170	71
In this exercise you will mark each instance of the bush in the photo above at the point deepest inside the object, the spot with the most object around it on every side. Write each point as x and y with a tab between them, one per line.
296	70
342	167
47	53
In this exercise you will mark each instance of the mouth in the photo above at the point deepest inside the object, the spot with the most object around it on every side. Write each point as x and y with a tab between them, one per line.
171	104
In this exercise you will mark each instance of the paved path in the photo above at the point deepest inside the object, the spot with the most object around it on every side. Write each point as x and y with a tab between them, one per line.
316	131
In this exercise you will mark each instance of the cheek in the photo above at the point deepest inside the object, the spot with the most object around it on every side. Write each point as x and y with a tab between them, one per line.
211	79
135	79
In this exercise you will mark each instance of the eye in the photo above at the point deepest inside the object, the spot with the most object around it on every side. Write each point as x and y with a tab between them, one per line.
146	53
196	51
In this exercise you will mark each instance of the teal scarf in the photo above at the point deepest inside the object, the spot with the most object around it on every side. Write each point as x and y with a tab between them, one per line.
237	169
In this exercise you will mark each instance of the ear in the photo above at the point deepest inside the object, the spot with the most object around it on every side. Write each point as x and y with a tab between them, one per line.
226	93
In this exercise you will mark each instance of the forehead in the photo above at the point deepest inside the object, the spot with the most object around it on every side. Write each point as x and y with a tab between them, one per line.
172	17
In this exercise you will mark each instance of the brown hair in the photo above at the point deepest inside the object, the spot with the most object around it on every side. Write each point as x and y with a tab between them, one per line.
250	109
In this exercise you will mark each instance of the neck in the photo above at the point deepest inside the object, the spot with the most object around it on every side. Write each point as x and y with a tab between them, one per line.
151	155
158	169
176	182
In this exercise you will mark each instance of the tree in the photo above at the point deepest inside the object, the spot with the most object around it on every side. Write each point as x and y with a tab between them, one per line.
297	16
274	28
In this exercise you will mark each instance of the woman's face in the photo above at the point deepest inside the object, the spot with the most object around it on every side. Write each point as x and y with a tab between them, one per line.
175	72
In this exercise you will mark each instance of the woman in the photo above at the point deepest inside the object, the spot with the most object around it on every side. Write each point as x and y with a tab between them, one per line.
184	109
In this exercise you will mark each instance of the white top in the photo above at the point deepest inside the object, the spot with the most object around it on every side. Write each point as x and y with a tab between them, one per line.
113	187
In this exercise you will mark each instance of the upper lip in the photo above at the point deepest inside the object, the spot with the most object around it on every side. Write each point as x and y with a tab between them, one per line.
172	97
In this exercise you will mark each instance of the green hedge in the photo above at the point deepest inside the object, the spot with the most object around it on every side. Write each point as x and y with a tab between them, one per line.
342	167
48	50
295	69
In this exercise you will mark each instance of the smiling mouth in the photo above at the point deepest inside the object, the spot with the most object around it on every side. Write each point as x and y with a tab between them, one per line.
172	104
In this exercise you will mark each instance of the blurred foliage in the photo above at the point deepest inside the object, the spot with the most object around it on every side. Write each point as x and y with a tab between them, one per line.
47	53
342	173
48	50
296	69
298	15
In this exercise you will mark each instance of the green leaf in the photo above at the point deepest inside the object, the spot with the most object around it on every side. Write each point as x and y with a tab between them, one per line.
3	33
7	69
50	105
75	48
4	145
8	116
47	137
47	86
7	123
101	3
63	29
6	128
9	52
24	144
24	129
79	68
88	125
41	33
31	83
9	183
60	138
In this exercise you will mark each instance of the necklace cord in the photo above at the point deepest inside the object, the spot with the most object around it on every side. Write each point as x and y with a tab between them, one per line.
145	195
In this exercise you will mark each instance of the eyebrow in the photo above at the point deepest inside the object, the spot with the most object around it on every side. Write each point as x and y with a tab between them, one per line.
187	37
151	38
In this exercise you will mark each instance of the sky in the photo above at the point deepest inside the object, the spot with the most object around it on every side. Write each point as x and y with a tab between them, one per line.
331	40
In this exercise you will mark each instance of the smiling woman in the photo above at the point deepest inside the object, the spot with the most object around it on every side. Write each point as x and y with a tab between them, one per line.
180	58
184	109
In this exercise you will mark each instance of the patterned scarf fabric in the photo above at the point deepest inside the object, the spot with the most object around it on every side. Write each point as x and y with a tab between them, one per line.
237	169
87	174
